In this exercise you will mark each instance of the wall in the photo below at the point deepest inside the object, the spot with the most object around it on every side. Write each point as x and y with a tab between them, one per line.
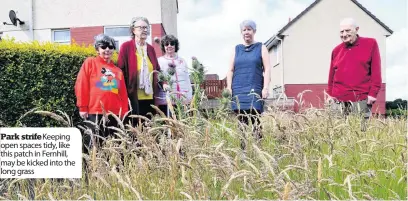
80	13
276	70
22	9
157	31
308	44
84	35
169	16
313	95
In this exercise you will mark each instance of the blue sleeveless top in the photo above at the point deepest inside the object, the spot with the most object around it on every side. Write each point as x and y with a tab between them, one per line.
247	80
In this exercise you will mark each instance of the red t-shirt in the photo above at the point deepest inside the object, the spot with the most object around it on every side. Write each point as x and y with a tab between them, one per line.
99	82
355	70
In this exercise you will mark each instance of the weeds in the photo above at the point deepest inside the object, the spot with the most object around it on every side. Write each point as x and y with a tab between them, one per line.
312	155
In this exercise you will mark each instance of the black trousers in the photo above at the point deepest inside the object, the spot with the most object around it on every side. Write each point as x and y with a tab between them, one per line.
163	108
247	116
250	116
140	107
101	129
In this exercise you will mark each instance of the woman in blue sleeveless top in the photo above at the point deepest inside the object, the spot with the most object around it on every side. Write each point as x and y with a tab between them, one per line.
249	76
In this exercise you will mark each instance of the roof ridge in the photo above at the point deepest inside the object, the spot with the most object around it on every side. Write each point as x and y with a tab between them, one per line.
284	28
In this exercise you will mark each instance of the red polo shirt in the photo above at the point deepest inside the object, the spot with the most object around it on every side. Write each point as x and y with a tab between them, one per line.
355	70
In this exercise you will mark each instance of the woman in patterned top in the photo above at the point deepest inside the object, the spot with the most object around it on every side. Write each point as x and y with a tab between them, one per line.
176	67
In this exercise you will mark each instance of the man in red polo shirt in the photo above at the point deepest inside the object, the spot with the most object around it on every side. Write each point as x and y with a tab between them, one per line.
355	71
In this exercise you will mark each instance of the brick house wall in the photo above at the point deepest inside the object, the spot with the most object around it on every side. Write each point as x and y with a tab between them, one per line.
315	98
85	35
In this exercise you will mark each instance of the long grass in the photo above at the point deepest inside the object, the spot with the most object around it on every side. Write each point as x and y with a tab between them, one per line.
310	155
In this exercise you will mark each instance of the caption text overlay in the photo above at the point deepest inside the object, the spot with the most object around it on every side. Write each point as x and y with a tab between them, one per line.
40	153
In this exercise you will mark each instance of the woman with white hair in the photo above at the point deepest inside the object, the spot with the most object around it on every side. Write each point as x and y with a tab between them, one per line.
138	61
248	77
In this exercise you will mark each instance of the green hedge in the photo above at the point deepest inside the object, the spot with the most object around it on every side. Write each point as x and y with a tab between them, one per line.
38	76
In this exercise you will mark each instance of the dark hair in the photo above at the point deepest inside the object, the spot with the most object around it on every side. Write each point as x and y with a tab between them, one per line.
168	39
102	39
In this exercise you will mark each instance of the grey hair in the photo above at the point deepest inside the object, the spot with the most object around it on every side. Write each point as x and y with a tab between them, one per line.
248	23
136	19
349	21
102	39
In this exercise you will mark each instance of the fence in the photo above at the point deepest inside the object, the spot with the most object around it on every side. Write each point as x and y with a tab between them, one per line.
214	88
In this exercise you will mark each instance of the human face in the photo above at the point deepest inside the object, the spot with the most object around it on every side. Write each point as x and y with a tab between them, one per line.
348	33
248	34
106	51
140	29
170	47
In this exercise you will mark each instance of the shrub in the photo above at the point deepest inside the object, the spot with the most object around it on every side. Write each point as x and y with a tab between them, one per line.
41	76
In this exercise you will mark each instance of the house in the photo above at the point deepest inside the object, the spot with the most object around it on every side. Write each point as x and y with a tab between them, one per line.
300	51
79	21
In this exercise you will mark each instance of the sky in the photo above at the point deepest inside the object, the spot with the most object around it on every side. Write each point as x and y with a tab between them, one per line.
209	30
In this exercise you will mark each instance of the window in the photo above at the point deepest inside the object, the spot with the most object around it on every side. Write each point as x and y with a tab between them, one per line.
61	36
117	31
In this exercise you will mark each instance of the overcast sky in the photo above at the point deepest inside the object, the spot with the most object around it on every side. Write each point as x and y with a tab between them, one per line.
219	20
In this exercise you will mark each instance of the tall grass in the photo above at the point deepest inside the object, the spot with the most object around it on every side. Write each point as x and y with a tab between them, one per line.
309	155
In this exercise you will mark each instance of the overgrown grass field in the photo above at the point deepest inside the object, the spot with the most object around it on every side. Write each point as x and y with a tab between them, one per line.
309	155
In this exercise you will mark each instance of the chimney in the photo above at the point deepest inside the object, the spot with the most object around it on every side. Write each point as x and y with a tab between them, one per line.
289	20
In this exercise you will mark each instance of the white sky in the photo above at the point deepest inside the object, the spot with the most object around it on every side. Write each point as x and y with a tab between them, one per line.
219	21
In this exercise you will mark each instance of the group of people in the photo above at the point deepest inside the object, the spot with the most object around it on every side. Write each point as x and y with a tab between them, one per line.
354	78
103	87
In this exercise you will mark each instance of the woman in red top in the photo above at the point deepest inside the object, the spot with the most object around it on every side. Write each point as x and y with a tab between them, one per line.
100	88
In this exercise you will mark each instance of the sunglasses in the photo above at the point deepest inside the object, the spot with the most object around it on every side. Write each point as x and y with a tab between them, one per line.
172	43
109	46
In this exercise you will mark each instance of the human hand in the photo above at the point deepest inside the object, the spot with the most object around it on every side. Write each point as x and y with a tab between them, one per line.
371	100
332	99
166	87
84	115
265	93
229	89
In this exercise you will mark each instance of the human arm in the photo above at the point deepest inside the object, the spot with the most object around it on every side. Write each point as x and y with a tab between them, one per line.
331	76
123	95
159	67
375	74
122	62
188	82
267	71
230	72
82	88
163	64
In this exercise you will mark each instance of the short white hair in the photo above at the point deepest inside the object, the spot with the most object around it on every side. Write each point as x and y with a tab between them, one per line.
349	21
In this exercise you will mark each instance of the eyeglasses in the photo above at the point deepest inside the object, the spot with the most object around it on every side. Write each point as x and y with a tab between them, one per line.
107	46
172	43
142	27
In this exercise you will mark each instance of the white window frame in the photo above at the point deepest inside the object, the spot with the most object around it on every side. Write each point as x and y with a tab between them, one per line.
65	42
121	39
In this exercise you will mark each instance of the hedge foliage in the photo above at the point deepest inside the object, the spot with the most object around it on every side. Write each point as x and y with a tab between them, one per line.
39	76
